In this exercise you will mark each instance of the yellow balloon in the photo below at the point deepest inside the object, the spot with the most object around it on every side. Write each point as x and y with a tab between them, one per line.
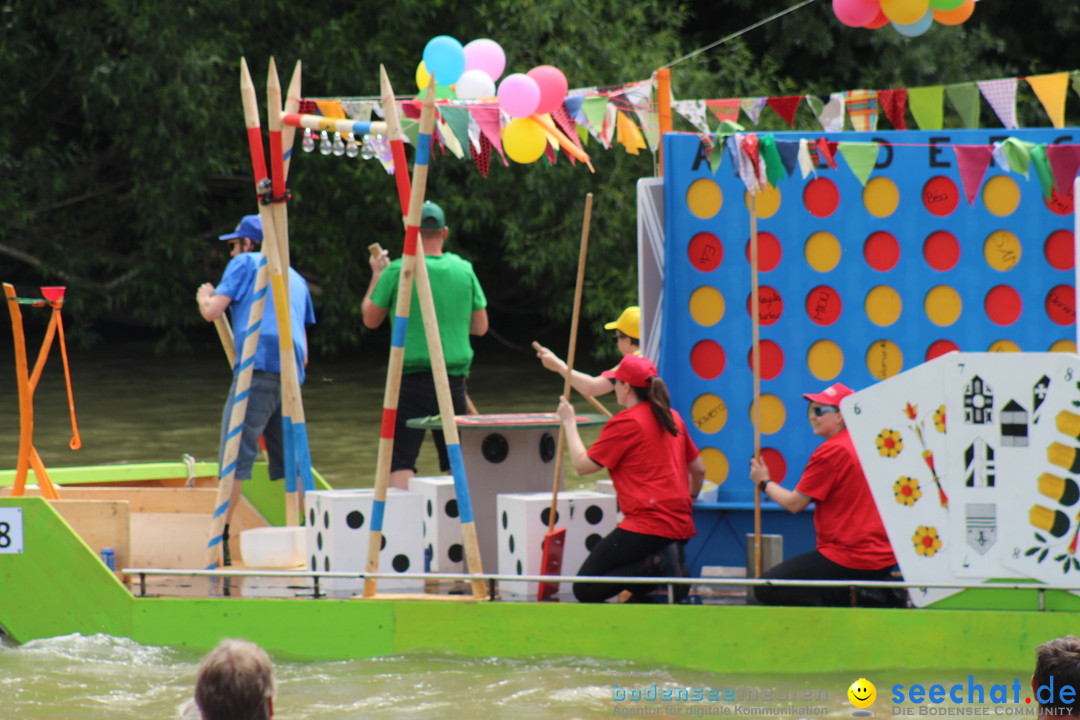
905	12
423	77
524	140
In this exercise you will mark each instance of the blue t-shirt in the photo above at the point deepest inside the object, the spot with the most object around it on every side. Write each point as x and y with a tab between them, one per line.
238	283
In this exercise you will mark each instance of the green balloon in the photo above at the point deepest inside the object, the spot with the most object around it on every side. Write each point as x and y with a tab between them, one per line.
945	4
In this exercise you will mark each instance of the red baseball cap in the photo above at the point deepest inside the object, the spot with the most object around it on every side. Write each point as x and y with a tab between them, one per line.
831	395
636	370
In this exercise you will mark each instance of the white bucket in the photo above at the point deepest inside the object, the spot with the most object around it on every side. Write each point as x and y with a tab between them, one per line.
273	547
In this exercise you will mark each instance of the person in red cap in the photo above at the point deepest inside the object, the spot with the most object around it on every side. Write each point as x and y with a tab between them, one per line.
657	472
851	541
627	333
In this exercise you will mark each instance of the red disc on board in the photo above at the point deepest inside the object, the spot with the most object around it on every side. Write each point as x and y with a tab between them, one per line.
823	305
708	359
770	305
821	197
772	359
1059	251
774	460
705	252
1003	305
939	348
881	251
940	195
941	250
1061	304
768	250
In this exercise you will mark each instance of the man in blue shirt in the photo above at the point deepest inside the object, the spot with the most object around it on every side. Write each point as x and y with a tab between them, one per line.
236	291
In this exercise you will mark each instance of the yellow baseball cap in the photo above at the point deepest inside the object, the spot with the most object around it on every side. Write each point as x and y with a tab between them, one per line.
629	323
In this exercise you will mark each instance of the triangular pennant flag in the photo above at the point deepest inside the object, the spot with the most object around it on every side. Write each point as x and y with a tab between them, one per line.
749	168
1074	77
482	157
789	154
331	109
488	120
456	121
640	96
785	107
410	129
629	134
724	109
965	100
1051	90
972	161
1017	154
830	114
752	107
860	157
862	109
826	151
806	163
1064	161
357	109
595	109
447	140
549	153
693	111
573	104
715	148
566	124
733	151
410	109
926	105
774	166
894	105
1001	94
1042	170
615	96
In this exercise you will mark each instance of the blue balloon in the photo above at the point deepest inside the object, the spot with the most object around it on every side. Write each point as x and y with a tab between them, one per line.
444	57
916	28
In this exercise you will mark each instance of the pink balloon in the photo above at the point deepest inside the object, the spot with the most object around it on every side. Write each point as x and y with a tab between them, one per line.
519	95
856	13
553	87
486	55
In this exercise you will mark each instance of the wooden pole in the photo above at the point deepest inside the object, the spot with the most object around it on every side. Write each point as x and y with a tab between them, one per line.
228	342
663	103
755	350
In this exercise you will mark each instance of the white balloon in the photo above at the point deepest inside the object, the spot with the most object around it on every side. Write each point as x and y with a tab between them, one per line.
474	84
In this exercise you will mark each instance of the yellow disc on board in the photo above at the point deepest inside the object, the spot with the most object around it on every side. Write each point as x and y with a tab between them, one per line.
1001	195
1003	346
822	251
704	198
716	465
943	305
883	305
1002	250
825	360
709	413
1064	346
773	414
881	197
768	201
884	359
707	306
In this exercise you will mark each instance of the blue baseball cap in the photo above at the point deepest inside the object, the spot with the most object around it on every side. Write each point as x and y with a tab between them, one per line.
250	226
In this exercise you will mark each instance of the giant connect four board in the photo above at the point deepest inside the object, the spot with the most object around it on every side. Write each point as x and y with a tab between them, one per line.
856	283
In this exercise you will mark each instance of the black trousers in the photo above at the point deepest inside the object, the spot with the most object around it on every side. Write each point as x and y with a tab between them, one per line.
621	554
813	566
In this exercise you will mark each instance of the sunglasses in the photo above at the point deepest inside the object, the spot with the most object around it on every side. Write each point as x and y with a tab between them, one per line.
820	410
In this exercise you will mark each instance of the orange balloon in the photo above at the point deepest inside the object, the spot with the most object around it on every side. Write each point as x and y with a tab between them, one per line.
957	16
905	12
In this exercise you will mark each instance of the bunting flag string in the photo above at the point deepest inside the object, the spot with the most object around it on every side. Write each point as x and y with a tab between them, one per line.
627	115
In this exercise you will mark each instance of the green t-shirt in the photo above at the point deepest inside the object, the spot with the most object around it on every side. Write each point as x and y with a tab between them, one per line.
457	295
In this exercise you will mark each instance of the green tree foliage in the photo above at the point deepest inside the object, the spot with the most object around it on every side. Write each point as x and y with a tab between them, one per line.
123	151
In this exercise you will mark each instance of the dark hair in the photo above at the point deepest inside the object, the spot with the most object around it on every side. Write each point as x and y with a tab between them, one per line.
619	334
1057	661
660	401
234	682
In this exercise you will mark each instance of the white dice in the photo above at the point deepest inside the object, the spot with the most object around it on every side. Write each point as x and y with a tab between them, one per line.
442	523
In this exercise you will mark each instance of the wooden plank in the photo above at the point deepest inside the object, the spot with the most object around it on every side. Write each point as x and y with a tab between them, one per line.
100	524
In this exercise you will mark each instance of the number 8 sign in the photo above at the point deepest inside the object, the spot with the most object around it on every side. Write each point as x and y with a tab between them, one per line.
11	530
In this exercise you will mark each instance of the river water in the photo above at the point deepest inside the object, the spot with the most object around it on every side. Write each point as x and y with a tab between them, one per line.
133	406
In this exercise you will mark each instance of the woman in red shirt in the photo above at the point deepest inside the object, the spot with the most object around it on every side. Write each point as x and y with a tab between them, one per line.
851	541
657	472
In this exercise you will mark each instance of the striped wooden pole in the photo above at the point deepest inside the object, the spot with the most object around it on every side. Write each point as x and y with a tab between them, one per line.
297	451
402	308
397	141
341	125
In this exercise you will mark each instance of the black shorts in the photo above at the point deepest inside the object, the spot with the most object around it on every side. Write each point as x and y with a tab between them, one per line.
417	399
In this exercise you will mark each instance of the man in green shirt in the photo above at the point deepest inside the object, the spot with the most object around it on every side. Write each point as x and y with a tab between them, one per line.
460	309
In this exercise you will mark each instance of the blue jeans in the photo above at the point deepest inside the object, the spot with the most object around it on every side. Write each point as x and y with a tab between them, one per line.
263	417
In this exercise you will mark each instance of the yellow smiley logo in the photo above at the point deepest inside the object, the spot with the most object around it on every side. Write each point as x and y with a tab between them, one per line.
862	693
